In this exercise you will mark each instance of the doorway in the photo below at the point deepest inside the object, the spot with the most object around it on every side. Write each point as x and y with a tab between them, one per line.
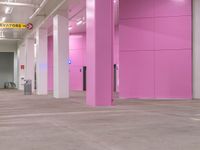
6	68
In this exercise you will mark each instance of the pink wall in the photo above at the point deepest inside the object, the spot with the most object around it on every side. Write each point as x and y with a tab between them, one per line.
116	46
155	49
77	55
50	63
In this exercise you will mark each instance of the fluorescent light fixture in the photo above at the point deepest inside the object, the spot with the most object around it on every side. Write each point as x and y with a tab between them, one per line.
38	9
18	4
79	22
43	3
8	10
34	14
3	19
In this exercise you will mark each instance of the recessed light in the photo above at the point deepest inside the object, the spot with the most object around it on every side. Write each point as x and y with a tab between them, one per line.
3	19
8	10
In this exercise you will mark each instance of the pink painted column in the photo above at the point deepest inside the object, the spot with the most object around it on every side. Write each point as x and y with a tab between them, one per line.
99	52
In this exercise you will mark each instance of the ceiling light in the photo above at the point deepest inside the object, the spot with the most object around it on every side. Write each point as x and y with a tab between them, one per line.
18	4
3	19
33	15
79	22
70	28
8	10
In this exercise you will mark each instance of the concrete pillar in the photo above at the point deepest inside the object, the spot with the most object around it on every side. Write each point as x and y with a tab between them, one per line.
99	52
30	61
60	57
16	68
196	49
41	62
22	66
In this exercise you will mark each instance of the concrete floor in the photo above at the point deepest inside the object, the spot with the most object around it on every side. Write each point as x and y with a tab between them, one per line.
45	123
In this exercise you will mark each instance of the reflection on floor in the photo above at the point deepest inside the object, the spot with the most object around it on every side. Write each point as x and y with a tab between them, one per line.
45	123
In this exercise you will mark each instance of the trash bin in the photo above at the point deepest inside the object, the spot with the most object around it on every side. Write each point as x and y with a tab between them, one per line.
28	87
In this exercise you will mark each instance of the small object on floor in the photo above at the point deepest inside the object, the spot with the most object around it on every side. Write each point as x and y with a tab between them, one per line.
9	85
28	87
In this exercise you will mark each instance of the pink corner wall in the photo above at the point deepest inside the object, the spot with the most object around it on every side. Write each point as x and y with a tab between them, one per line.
50	63
77	55
155	49
77	48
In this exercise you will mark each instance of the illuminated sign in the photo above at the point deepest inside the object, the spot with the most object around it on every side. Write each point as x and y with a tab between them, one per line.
28	26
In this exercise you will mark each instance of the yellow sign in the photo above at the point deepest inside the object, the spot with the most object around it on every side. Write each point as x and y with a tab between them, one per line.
13	26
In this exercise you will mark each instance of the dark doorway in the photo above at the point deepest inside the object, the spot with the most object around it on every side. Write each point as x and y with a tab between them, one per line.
115	78
6	68
84	77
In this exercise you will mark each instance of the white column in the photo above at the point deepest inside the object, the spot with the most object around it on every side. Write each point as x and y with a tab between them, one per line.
196	49
22	66
30	64
61	55
41	62
16	68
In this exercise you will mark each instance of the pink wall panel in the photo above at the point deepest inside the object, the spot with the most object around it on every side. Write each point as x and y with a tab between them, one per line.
135	8
116	47
143	31
76	42
173	74
77	50
84	49
50	63
76	57
138	68
76	75
173	33
173	7
162	28
76	82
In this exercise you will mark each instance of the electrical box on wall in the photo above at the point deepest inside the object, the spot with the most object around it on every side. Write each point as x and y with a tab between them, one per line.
22	67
